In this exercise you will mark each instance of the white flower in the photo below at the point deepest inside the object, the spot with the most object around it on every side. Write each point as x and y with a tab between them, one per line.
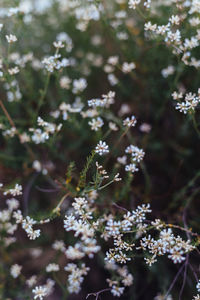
49	286
52	62
31	281
130	122
109	98
52	267
65	82
79	85
102	148
112	79
16	191
75	277
136	153
12	204
28	223
39	136
128	280
133	3
97	102
59	245
33	234
144	127
192	43
131	168
37	166
13	11
40	292
195	6
113	60
147	3
74	252
150	26
198	286
96	123
128	67
176	255
11	38
13	71
64	37
15	270
58	44
175	20
168	71
122	160
112	126
183	107
117	291
194	21
177	96
18	216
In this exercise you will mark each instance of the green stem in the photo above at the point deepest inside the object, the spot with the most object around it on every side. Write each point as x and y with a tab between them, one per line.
105	185
63	288
147	178
195	125
141	13
43	93
56	210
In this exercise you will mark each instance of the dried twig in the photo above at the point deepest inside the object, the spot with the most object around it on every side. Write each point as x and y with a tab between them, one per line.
97	293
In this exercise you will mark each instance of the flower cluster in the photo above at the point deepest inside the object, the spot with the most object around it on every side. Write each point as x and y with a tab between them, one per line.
189	103
39	135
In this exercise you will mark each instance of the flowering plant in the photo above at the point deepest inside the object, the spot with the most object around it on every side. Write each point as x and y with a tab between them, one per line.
99	172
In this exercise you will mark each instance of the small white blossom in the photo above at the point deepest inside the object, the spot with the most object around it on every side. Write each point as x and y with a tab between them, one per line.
131	168
58	45
52	268
133	3
128	67
39	292
31	281
130	122
102	148
117	291
16	191
79	85
168	71
11	38
96	123
182	107
198	286
15	270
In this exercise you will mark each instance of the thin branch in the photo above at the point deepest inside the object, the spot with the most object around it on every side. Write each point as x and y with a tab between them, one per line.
174	281
97	293
183	229
57	208
184	276
194	273
27	192
195	125
47	190
120	207
10	120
